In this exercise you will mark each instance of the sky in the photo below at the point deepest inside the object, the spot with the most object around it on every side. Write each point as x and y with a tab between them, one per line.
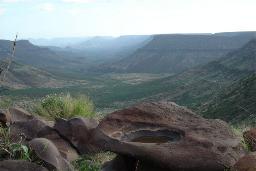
79	18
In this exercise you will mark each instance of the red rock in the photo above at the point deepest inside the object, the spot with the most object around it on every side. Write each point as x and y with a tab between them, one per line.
246	163
49	153
78	131
169	136
18	114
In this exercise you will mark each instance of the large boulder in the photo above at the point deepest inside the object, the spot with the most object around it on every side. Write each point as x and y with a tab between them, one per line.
250	138
169	136
246	163
27	130
64	147
18	114
26	127
20	165
49	153
78	131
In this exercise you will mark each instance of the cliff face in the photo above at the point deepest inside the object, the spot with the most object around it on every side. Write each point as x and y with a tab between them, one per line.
176	53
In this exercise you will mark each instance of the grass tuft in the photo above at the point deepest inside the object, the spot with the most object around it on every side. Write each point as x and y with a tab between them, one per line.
65	106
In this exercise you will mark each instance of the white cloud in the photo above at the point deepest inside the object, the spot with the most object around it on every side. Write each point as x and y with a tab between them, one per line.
78	1
48	7
2	11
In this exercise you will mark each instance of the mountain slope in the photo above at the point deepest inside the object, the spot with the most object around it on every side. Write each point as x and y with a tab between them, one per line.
24	76
176	53
195	88
61	62
235	104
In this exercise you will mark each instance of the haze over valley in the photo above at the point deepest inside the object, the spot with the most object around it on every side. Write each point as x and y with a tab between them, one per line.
109	85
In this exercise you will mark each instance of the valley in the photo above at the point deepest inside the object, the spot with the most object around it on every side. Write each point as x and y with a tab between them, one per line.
193	73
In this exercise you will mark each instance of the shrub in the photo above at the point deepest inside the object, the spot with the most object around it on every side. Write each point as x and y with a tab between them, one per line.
10	150
65	106
5	102
86	164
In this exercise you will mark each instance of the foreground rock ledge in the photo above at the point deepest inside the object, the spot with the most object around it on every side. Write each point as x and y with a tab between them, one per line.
170	136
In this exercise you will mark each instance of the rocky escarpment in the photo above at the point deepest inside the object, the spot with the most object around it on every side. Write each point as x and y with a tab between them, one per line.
146	137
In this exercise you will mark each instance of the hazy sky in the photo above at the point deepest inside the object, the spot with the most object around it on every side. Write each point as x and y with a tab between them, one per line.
72	18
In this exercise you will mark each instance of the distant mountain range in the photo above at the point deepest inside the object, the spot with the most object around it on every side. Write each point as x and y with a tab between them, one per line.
60	42
175	53
219	89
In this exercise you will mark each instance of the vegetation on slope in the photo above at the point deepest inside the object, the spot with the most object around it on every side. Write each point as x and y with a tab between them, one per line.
236	104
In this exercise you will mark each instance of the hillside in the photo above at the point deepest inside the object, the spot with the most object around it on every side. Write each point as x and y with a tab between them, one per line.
59	62
176	53
194	88
235	104
25	76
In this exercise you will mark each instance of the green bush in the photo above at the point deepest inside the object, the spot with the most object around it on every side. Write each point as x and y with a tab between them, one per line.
10	150
5	102
65	106
86	164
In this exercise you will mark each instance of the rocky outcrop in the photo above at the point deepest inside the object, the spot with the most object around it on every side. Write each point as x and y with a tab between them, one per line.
18	115
146	137
79	132
169	136
49	153
65	148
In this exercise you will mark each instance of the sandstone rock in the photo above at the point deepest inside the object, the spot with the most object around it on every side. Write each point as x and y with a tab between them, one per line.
48	152
5	118
66	150
29	128
250	138
18	114
20	165
246	163
78	131
169	136
26	129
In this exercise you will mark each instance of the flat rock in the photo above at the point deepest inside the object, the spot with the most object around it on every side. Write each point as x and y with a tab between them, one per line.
169	136
20	165
78	132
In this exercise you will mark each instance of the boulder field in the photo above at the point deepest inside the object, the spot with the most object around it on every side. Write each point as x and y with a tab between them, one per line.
155	136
